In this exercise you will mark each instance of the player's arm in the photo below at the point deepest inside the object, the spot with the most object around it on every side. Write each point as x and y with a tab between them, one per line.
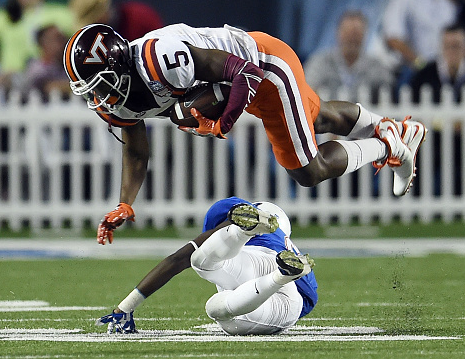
134	168
154	280
135	161
172	265
245	77
121	319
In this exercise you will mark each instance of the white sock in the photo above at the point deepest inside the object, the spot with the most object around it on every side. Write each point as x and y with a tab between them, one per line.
132	301
282	279
365	125
223	244
362	152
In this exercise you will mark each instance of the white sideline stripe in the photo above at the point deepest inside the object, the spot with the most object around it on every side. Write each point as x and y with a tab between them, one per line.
155	248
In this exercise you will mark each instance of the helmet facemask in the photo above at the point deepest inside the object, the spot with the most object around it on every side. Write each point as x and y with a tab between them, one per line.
106	92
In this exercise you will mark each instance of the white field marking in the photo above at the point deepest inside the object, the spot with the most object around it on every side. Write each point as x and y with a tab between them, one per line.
392	305
299	329
8	331
212	333
380	304
319	319
37	306
156	248
48	309
339	319
168	319
22	303
19	320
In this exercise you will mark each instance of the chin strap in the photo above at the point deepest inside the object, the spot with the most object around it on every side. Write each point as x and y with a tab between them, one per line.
110	129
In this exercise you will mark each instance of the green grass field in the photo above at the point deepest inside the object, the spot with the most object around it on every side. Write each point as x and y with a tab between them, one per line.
383	307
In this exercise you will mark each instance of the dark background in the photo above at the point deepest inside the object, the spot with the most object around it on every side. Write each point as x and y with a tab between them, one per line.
246	14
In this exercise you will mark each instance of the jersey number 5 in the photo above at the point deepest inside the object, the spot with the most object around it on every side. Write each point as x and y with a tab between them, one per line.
177	60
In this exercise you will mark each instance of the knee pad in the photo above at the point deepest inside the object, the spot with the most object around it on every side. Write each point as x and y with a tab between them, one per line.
197	258
216	307
201	262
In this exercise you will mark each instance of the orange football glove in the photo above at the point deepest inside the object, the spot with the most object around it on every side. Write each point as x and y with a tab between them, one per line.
113	220
207	127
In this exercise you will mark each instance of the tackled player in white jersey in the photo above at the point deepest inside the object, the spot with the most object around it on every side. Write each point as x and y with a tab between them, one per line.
264	283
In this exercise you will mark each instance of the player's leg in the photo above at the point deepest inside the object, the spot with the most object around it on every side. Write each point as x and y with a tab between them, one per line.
338	157
291	109
293	142
346	119
280	311
354	121
253	293
265	304
219	259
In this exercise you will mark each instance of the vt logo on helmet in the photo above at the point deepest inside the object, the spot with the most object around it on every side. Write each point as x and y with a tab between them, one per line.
97	48
97	61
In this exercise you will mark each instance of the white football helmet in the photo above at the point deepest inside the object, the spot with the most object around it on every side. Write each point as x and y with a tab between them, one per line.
283	219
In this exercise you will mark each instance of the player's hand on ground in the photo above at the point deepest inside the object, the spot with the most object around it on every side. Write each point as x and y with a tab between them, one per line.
122	323
207	127
112	220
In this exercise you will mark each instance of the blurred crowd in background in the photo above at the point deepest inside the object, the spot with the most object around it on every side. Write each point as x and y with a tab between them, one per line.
33	34
342	44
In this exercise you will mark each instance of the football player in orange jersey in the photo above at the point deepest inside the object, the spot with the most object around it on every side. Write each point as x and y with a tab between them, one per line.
127	82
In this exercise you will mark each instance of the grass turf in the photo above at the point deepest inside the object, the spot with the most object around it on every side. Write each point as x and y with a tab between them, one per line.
399	295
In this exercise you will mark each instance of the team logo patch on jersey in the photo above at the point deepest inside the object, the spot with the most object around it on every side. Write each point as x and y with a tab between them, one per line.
159	89
156	86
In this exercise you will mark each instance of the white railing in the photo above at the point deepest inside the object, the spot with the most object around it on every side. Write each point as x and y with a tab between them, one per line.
59	165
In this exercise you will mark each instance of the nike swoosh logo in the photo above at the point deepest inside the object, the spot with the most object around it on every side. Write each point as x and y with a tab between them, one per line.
189	103
256	289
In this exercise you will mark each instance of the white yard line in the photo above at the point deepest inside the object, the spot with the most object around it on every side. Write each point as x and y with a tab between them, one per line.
326	334
201	333
49	309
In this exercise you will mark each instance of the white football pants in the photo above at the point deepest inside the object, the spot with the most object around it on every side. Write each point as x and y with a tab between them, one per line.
248	301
